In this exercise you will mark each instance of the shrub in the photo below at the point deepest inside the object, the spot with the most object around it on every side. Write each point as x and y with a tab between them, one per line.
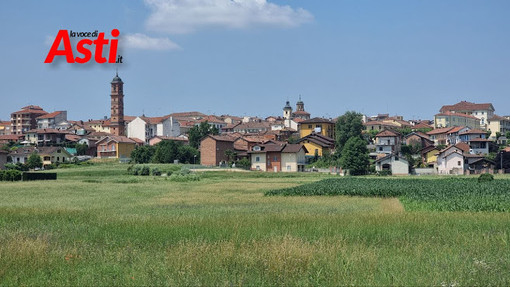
50	166
383	173
484	177
145	171
11	175
156	172
184	171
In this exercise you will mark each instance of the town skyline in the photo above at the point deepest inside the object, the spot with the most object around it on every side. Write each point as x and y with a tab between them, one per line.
395	57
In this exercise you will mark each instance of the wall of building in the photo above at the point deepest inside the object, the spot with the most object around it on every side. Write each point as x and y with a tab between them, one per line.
260	164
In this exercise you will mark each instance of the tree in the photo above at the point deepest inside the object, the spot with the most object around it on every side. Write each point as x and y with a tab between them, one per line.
81	149
143	154
34	161
507	135
498	135
166	152
347	126
231	155
196	133
355	156
188	154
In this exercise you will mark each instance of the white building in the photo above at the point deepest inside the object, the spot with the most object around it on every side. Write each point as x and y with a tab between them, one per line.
55	120
396	164
145	128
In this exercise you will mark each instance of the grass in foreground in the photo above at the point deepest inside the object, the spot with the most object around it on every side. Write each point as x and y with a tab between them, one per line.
113	229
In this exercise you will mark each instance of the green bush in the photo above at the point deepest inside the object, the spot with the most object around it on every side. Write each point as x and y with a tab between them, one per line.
156	172
11	175
145	171
383	173
184	171
484	177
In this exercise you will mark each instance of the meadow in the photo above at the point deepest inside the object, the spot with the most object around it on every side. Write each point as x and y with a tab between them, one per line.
97	225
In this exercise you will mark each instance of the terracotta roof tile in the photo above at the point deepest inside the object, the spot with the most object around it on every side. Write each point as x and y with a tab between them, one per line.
466	106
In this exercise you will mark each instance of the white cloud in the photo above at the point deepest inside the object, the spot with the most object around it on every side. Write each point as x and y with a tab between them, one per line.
144	42
186	16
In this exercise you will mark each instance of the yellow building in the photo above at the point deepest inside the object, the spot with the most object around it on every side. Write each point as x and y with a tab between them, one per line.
317	144
321	126
429	155
498	124
115	147
53	155
449	119
100	126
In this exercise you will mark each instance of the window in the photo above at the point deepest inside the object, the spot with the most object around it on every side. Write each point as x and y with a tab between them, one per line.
275	158
258	167
458	163
288	167
257	159
380	148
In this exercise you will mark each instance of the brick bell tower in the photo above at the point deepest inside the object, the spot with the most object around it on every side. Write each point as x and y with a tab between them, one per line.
117	107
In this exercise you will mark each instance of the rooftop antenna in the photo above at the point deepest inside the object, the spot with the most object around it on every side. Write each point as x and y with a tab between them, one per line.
116	71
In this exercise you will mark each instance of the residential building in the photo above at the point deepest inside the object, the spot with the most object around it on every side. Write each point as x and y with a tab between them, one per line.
53	155
388	142
55	120
25	119
451	160
379	126
45	137
482	112
498	124
453	135
100	126
429	155
115	147
5	128
321	126
145	128
439	136
277	157
418	139
5	139
317	144
213	148
450	119
252	127
21	154
393	162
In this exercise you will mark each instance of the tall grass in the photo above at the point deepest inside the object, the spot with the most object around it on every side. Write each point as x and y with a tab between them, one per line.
223	231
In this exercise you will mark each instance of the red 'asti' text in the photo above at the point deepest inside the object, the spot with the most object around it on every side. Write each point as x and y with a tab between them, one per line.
84	47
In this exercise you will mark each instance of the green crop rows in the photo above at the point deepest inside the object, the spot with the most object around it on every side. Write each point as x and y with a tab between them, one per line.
451	194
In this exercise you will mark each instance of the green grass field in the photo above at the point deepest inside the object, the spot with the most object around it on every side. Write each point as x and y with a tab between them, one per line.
99	226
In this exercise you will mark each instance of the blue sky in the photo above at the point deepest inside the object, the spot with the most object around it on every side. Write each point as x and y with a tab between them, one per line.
249	57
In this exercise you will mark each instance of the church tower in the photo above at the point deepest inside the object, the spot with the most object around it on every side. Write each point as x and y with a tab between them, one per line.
300	106
287	111
117	107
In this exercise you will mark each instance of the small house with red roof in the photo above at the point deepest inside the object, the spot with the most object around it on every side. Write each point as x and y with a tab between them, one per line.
278	157
388	142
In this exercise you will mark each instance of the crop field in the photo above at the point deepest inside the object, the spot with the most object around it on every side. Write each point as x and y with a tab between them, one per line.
450	194
99	226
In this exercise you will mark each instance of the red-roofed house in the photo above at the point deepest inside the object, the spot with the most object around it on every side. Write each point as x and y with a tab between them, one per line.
276	157
55	120
498	124
482	112
5	128
25	119
451	119
146	128
115	147
213	148
388	142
